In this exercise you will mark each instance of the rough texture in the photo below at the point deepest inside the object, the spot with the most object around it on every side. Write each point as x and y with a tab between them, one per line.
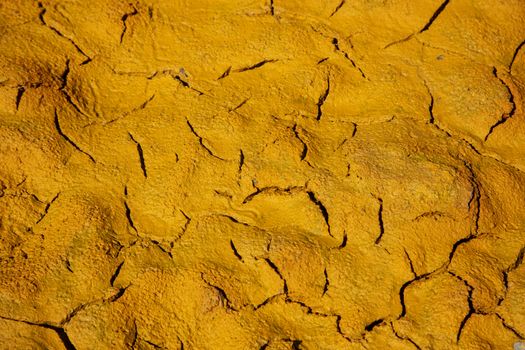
237	174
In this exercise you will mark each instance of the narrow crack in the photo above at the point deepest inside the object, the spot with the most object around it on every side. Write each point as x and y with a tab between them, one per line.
380	221
471	309
186	224
128	211
63	84
272	8
426	27
135	335
410	263
335	43
326	283
135	109
515	55
64	76
159	245
404	338
344	240
435	15
140	151
115	274
232	219
338	319
46	209
404	287
68	140
255	66
267	301
474	203
278	272
175	77
124	22
432	215
274	190
43	11
407	38
19	93
322	99
75	311
239	105
68	265
241	162
155	346
456	245
474	206
337	8
225	74
354	131
309	309
304	151
509	327
505	116
201	140
322	209
259	64
517	263
235	251
187	85
60	331
117	295
431	119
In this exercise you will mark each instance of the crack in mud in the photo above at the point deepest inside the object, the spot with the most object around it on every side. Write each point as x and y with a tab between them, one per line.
43	11
426	27
68	139
380	221
518	48
335	43
322	209
124	19
338	7
254	66
505	116
201	141
322	99
141	155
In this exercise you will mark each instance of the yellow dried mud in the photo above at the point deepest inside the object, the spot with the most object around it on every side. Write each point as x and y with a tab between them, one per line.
242	174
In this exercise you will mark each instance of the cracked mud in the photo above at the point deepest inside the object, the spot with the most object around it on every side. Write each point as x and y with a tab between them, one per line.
253	174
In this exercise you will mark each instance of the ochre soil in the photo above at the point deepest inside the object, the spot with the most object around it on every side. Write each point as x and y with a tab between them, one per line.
242	174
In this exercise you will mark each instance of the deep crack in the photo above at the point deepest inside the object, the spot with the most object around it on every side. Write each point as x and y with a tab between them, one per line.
435	15
322	209
140	151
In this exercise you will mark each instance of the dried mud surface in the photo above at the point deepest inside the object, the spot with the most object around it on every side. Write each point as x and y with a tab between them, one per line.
236	174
